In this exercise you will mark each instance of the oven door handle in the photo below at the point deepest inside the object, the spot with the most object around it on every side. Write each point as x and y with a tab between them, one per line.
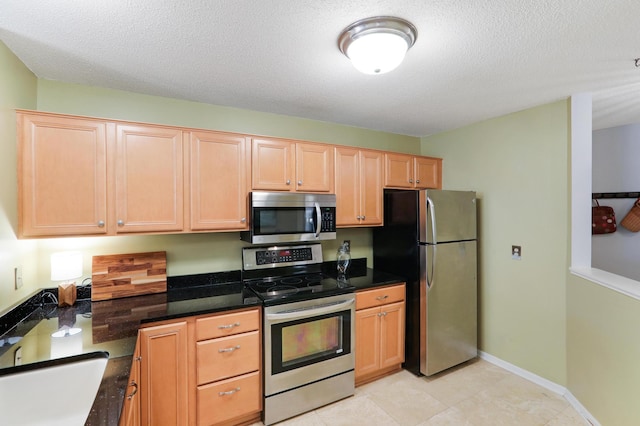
311	311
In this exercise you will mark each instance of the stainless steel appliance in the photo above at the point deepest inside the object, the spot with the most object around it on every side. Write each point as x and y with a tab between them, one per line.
308	329
279	217
429	237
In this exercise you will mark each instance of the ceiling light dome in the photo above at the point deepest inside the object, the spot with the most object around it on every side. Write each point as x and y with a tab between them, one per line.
377	45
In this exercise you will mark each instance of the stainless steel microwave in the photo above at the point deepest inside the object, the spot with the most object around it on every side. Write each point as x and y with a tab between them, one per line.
278	217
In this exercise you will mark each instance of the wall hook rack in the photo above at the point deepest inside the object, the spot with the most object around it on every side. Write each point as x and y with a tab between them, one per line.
605	195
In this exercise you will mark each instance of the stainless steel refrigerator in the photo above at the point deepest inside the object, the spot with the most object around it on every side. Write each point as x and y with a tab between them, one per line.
429	238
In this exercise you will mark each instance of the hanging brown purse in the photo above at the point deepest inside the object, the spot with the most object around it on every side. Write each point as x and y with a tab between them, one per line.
603	219
632	220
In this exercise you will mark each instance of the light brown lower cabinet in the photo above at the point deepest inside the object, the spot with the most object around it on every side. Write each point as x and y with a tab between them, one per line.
203	370
380	332
163	385
228	361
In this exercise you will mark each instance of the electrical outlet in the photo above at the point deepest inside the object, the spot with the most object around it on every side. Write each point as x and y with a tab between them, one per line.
17	356
347	243
17	277
516	252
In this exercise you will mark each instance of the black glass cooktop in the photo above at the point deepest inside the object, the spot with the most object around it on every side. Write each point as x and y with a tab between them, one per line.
284	289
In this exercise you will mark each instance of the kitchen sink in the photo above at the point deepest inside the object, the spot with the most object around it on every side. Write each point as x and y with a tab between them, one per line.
55	392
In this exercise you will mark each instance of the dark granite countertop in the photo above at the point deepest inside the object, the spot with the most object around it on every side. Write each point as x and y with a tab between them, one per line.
112	325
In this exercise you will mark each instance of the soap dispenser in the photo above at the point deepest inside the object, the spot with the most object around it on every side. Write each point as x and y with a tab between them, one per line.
344	258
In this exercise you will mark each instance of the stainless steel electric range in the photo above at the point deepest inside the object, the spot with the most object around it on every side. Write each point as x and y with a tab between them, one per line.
308	329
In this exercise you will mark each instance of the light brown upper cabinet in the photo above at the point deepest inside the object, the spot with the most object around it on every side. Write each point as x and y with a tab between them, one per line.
285	165
358	187
62	174
149	178
410	171
218	181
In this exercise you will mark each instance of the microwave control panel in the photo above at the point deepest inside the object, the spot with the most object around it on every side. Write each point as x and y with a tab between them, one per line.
328	219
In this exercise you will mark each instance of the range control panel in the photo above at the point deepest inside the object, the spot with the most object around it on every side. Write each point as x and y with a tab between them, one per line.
275	256
283	255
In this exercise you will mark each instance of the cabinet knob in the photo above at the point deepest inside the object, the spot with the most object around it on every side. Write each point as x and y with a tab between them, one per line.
299	182
417	180
410	180
288	182
358	217
120	222
243	220
363	217
101	224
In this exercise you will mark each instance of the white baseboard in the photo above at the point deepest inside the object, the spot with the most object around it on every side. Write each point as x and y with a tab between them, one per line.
541	381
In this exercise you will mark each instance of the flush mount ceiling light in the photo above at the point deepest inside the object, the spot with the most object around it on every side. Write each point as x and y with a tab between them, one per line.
377	45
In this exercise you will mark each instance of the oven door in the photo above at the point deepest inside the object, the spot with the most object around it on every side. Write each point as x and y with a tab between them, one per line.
308	341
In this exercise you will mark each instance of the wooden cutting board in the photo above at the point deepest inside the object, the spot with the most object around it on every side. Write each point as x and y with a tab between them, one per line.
124	275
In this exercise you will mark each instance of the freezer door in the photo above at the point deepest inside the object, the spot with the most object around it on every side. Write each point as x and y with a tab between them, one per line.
447	216
448	305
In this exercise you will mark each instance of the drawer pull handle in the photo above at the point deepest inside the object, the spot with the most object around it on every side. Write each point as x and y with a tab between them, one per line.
231	392
231	349
135	389
228	326
382	297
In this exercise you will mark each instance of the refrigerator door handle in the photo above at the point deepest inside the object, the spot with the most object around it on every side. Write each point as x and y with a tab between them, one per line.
431	280
432	210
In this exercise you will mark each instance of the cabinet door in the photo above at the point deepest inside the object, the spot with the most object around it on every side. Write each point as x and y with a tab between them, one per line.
62	166
218	186
392	334
163	375
367	341
398	171
314	168
347	173
272	165
131	407
149	179
428	172
371	182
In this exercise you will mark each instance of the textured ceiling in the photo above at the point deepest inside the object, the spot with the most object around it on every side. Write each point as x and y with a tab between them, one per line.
472	60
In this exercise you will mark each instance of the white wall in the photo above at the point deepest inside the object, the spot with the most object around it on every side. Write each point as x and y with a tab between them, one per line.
616	168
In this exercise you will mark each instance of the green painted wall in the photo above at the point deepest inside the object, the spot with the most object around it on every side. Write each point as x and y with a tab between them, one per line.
518	164
17	90
603	350
68	98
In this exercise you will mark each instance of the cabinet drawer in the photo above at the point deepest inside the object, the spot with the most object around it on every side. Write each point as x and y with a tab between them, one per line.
227	399
227	324
227	356
379	296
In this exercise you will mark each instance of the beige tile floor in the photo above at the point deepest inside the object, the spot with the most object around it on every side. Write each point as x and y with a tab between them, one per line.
476	394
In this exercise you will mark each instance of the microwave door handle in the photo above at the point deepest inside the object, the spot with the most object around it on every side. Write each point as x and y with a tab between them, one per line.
318	219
